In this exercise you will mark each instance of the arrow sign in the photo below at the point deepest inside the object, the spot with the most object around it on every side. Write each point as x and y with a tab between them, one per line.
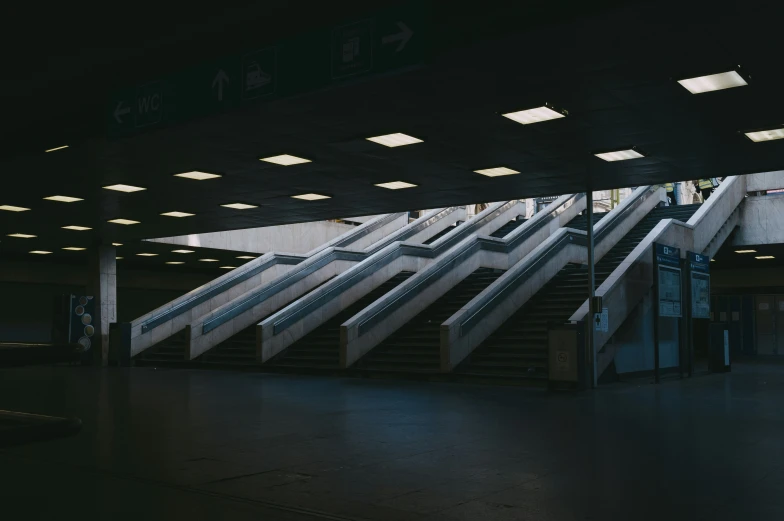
220	79
403	36
120	111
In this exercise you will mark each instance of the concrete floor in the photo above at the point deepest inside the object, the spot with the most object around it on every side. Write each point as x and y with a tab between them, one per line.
189	444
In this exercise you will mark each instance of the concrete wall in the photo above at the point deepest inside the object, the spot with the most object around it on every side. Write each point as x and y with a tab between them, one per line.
289	238
765	181
761	221
638	339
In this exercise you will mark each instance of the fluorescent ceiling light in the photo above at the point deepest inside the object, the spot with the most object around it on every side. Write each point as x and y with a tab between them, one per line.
712	82
56	148
246	257
497	172
713	260
63	198
125	188
228	267
394	140
765	257
147	254
182	251
41	252
766	135
119	258
396	185
539	114
619	155
745	251
74	248
310	197
197	176
175	262
178	214
9	208
208	260
123	221
239	206
285	160
116	244
77	228
21	235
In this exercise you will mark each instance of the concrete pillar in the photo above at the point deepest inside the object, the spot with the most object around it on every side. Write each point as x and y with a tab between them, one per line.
102	285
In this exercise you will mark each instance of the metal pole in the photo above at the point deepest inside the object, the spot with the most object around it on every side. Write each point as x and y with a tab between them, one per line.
589	337
655	319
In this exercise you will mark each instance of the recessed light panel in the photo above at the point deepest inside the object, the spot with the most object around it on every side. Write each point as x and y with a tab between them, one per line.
10	208
124	188
40	252
22	235
712	82
182	251
147	254
178	214
310	197
766	135
537	115
208	260
63	198
116	244
246	257
119	258
239	206
126	222
394	140
285	160
619	155
396	185
228	267
56	148
763	257
74	248
76	228
197	176
745	251
175	262
497	172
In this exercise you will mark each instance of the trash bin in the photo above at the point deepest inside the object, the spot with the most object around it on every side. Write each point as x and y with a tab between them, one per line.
566	345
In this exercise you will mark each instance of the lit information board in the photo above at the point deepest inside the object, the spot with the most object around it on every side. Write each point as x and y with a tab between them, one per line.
699	270
669	280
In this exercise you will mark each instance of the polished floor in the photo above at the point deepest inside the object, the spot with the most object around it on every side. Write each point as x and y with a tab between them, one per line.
197	445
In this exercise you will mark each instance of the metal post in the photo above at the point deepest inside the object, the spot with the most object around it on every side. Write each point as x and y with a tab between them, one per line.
589	337
655	320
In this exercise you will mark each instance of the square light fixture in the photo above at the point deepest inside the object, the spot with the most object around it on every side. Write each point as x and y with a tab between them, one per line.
63	198
182	251
21	235
40	252
56	148
745	251
126	222
119	258
762	257
76	228
178	214
246	257
146	254
497	171
396	185
620	155
713	82
310	197
175	262
10	208
228	267
74	248
116	244
208	260
125	188
197	176
765	135
394	140
240	206
285	160
536	115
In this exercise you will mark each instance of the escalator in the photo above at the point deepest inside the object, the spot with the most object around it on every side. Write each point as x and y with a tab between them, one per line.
519	348
321	347
415	347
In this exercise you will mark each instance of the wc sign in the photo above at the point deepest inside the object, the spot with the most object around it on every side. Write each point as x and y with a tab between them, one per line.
149	104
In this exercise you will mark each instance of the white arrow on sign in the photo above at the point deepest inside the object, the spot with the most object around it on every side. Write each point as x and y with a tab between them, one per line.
219	80
120	111
403	36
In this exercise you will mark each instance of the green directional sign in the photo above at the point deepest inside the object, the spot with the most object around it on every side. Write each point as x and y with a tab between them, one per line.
379	43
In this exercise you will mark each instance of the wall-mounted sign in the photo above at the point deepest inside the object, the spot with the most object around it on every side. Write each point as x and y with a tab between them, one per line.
667	264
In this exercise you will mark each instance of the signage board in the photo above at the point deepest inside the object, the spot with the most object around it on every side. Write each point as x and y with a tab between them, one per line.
699	274
667	263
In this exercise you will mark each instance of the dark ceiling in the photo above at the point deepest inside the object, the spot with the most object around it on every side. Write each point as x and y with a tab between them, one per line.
612	69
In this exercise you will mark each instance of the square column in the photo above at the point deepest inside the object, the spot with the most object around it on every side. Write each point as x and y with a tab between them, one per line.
102	285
